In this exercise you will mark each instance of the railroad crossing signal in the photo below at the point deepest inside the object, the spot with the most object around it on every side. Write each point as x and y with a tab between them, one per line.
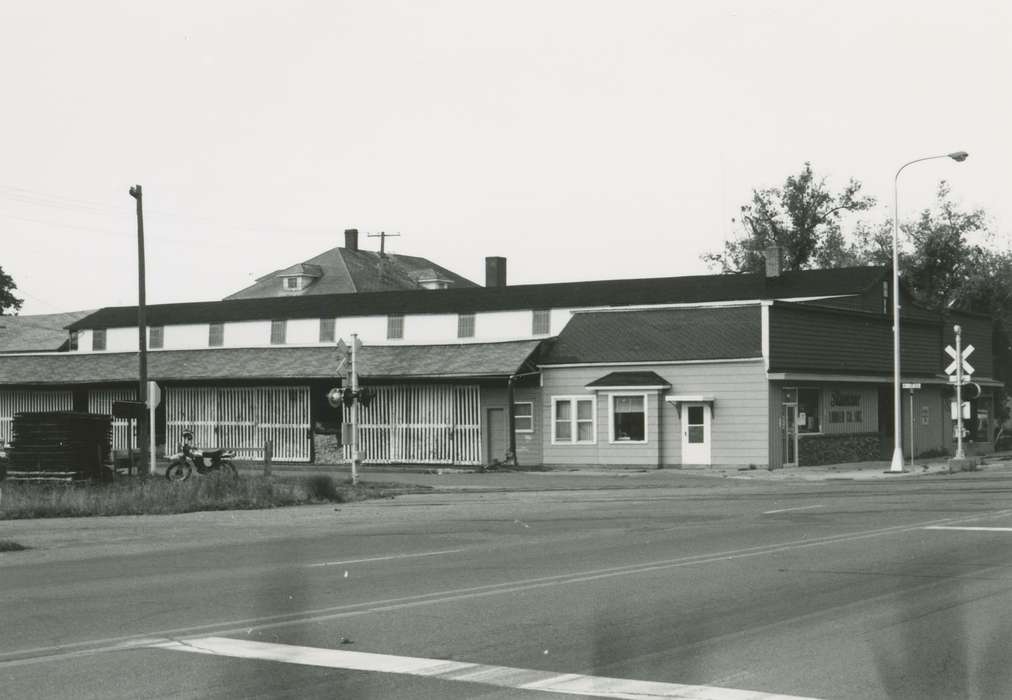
959	358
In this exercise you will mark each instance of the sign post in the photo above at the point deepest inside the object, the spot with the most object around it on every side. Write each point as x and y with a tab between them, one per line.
154	398
912	387
961	367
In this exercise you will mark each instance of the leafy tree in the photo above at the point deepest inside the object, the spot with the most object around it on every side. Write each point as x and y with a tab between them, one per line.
803	216
8	302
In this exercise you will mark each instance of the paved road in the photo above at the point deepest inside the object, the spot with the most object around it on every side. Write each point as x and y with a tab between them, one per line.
703	588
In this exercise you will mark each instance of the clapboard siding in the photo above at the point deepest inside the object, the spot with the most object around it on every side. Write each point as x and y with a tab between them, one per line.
805	338
739	430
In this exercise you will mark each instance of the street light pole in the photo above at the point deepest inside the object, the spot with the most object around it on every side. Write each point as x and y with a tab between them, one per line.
897	462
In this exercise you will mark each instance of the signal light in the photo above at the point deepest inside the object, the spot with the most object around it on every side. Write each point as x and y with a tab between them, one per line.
366	395
349	397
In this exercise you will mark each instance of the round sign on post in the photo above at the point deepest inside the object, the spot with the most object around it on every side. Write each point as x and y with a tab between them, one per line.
334	396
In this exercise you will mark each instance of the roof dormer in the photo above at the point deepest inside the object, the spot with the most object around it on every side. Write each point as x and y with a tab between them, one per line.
297	277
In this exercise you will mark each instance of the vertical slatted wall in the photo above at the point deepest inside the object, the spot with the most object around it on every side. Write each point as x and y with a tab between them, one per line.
18	401
242	419
100	402
421	424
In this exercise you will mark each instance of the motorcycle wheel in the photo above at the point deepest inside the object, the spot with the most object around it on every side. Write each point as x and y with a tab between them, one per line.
178	472
228	469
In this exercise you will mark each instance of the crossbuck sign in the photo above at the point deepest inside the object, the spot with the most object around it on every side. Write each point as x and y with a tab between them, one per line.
957	359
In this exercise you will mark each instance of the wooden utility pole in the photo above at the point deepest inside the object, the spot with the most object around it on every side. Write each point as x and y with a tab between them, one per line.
142	326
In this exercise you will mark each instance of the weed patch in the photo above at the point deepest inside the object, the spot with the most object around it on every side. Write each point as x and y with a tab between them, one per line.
151	496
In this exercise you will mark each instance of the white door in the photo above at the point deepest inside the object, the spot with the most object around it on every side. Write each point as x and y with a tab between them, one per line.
695	433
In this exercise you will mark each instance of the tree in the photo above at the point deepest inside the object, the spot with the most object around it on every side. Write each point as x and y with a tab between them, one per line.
803	217
8	302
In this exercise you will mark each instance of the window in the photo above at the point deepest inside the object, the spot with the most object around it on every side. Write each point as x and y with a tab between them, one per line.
465	325
216	335
395	326
695	422
326	330
74	338
98	339
809	411
629	418
541	322
156	337
278	327
523	417
292	283
573	420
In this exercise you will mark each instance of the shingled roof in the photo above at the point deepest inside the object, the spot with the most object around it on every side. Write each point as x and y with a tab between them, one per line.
663	290
375	361
659	335
347	270
37	333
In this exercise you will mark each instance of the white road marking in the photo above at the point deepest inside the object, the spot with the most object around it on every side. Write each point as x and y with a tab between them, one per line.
131	641
787	510
974	529
460	671
384	558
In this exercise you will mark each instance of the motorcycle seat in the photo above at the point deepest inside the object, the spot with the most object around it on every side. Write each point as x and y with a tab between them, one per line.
212	454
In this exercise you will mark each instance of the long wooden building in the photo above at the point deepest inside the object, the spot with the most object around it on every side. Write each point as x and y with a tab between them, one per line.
781	368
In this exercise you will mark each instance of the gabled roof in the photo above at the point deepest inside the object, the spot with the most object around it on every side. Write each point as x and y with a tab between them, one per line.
605	293
346	271
37	333
659	335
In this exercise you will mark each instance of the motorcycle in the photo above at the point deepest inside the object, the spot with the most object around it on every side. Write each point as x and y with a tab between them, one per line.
188	458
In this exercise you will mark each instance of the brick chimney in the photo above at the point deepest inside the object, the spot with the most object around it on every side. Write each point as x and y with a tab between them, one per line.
774	260
495	271
351	238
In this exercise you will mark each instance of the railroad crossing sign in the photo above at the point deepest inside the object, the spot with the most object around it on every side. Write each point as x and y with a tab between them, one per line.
957	359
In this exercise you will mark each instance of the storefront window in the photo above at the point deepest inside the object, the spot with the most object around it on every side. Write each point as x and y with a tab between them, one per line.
809	411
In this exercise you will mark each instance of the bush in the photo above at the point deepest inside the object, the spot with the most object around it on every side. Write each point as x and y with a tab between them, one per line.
321	487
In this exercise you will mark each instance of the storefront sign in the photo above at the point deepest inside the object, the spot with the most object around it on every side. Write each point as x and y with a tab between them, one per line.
839	398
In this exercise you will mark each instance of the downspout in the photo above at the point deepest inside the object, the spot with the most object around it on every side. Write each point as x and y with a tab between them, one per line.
511	453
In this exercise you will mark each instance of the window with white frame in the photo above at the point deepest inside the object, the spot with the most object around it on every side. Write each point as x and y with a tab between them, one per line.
628	417
74	339
541	322
395	327
573	420
98	339
465	325
523	417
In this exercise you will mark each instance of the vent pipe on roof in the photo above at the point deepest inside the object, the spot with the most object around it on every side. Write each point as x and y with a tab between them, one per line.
774	260
351	238
495	271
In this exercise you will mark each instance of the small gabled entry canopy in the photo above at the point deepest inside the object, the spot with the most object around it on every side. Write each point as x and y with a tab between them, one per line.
630	380
678	399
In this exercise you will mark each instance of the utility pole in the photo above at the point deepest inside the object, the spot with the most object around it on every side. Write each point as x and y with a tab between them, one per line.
142	326
383	236
354	410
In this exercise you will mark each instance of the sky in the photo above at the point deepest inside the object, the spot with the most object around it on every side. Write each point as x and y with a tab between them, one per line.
578	139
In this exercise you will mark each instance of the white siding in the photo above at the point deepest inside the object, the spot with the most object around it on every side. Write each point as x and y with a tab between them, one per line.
739	430
419	329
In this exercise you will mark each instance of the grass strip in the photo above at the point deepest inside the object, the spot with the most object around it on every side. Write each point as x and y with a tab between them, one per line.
153	496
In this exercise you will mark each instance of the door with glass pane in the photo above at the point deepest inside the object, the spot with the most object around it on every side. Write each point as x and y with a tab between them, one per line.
695	433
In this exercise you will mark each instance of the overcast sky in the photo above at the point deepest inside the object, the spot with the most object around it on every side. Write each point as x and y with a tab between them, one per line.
581	140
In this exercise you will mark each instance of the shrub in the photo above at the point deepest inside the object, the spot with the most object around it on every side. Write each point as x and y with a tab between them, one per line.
321	487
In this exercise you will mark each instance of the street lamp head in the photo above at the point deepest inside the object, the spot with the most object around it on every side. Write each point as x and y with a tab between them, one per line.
959	156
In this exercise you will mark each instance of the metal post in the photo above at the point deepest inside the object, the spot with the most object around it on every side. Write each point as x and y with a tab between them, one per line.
354	410
142	328
959	392
911	428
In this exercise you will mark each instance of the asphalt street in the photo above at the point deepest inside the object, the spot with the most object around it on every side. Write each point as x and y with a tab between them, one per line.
597	586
